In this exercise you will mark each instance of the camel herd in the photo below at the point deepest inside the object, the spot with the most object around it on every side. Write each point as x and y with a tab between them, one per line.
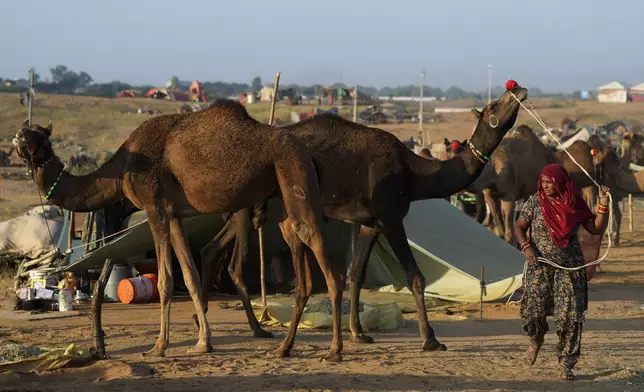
221	160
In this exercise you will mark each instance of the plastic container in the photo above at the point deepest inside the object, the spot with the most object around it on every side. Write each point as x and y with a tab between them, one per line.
155	282
119	272
139	289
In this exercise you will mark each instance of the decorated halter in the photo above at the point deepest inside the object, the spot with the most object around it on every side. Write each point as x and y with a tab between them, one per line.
510	84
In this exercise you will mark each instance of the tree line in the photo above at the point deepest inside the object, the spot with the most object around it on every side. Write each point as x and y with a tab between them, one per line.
65	81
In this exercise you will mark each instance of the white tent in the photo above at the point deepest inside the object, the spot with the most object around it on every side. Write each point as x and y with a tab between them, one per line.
581	135
613	92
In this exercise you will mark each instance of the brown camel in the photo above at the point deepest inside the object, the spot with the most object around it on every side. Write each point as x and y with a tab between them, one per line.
369	177
621	181
425	153
454	147
174	166
512	177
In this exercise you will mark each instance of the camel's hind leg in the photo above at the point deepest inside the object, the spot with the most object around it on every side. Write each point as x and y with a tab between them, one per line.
495	211
191	279
508	219
366	240
302	202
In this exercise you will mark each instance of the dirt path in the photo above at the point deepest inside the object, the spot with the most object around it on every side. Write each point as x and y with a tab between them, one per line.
482	356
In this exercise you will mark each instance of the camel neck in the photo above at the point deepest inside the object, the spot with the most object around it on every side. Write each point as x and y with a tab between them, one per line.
625	180
438	179
82	193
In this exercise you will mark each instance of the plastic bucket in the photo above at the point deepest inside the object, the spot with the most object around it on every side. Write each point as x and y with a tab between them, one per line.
64	300
155	282
119	272
139	289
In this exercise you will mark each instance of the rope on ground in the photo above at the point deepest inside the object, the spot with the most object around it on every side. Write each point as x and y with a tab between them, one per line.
538	119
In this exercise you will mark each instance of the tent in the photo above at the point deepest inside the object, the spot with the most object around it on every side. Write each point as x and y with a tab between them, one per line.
450	249
637	92
583	134
614	92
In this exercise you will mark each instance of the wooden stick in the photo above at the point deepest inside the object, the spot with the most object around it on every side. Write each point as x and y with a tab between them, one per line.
262	265
482	283
97	305
630	213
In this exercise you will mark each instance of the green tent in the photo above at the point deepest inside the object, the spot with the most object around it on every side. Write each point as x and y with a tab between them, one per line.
449	246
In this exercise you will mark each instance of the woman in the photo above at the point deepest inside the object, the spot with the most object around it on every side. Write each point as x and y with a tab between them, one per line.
553	216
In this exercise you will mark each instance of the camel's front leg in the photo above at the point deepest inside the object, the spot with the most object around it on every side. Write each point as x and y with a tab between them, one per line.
244	228
508	219
397	238
366	240
191	279
210	259
161	234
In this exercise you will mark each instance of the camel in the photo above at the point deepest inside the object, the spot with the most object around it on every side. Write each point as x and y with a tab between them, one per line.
621	181
425	153
454	147
368	177
512	177
174	166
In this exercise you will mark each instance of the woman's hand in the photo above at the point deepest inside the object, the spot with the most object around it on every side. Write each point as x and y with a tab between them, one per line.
530	256
603	193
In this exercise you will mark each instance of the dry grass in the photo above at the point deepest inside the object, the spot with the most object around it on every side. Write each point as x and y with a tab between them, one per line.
100	123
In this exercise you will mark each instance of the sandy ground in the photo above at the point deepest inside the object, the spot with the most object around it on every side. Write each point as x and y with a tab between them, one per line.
483	355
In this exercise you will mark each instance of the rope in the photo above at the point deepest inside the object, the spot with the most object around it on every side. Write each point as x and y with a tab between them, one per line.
538	119
42	206
70	250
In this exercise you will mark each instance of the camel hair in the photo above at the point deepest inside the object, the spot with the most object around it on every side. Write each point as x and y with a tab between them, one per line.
510	177
179	165
368	177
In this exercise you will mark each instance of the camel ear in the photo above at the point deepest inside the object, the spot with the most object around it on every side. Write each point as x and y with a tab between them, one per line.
477	114
447	143
464	142
49	128
25	123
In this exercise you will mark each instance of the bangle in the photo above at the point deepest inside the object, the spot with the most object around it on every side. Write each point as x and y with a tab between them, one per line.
525	245
602	209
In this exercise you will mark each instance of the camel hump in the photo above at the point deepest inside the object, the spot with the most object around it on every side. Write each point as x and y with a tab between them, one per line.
231	106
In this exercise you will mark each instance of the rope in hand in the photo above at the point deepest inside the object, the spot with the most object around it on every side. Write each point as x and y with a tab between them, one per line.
538	119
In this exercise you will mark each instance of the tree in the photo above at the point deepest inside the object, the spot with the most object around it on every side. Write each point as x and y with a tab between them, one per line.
256	84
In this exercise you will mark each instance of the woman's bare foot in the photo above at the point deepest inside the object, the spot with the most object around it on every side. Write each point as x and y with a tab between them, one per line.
531	354
567	374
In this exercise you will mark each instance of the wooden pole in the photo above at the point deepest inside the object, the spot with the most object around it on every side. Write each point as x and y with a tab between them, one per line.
355	104
30	93
630	213
262	265
482	284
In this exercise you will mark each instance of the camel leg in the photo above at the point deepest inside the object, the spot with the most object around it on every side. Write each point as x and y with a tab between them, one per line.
366	240
397	238
508	219
495	211
616	221
160	229
302	288
192	281
480	207
589	194
235	269
210	259
97	305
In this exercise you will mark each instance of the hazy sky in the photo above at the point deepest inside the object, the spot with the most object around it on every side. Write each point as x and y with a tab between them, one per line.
557	45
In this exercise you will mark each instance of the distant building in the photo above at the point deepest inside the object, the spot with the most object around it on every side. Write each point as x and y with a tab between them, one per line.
614	92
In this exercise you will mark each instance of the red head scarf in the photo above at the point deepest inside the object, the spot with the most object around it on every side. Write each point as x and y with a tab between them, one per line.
562	214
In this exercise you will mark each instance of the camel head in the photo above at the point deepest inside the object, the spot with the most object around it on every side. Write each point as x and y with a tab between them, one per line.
33	145
497	118
454	147
606	162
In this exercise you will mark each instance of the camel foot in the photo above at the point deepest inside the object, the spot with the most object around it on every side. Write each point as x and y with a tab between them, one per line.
201	348
333	357
261	334
156	352
279	353
360	338
434	346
